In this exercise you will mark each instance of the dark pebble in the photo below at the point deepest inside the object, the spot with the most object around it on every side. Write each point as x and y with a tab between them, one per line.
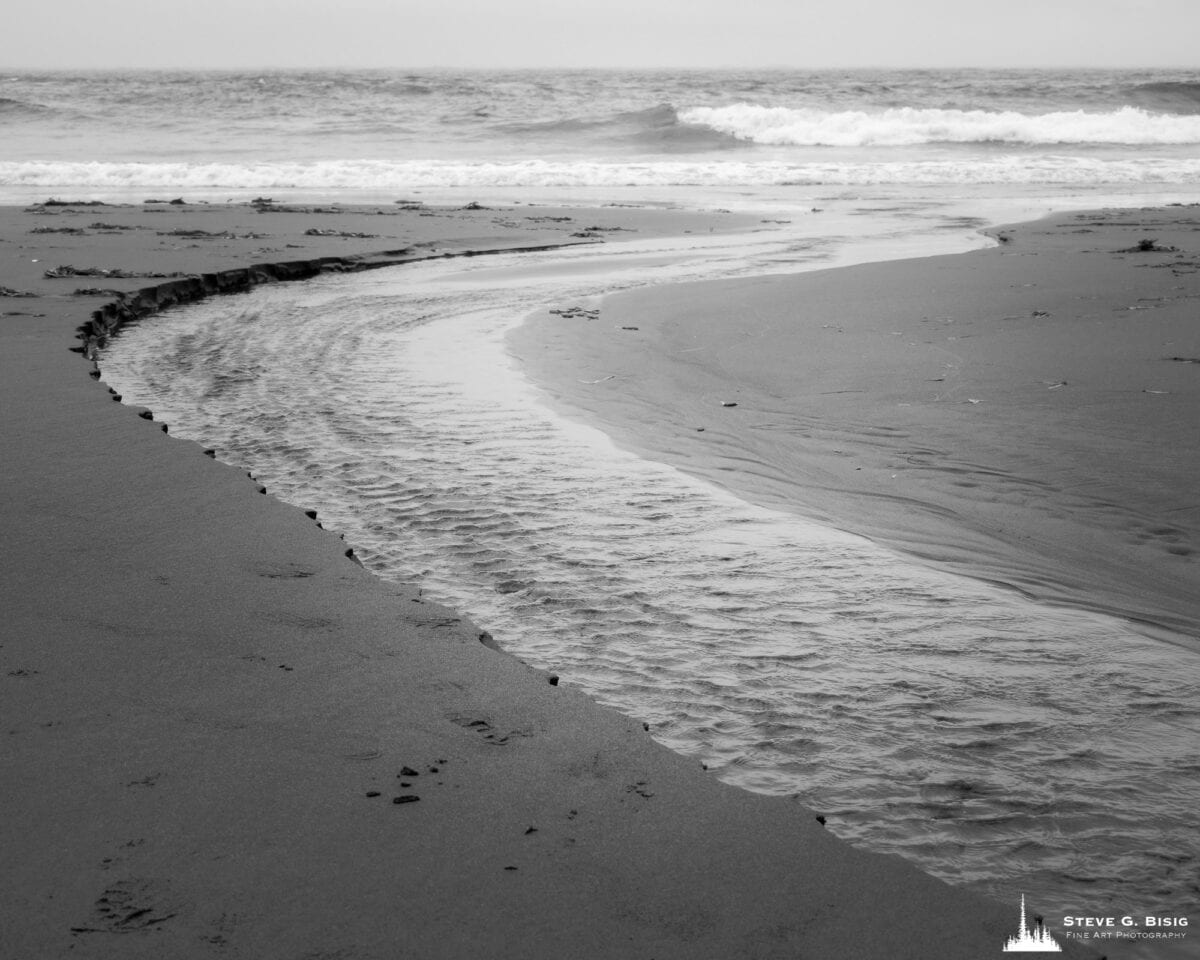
406	798
372	793
820	820
554	679
408	772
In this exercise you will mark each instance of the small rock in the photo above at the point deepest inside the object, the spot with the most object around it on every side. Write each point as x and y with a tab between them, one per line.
406	798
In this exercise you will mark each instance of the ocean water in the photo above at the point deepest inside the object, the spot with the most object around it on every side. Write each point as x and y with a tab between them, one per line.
384	132
1002	744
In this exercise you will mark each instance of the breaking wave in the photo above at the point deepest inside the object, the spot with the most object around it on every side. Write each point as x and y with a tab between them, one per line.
657	128
906	126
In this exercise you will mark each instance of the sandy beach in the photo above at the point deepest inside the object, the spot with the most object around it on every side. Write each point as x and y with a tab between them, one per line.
223	738
1023	414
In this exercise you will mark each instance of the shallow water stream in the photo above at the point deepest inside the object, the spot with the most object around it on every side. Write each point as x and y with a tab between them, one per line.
999	743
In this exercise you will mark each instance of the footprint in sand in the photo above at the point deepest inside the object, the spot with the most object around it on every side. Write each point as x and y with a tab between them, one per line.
127	906
487	731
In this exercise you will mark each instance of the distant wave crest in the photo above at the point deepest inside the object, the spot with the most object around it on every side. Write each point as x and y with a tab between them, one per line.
783	126
658	128
10	108
1170	96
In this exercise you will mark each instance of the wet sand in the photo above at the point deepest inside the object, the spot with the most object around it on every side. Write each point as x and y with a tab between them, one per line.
1024	414
223	738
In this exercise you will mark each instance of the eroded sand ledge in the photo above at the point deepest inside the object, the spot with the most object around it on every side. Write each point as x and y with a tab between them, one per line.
110	318
201	696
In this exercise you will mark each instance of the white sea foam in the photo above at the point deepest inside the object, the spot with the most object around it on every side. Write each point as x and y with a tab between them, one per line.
908	126
400	175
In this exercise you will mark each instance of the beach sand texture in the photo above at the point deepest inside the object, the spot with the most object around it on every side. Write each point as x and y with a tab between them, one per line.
1024	414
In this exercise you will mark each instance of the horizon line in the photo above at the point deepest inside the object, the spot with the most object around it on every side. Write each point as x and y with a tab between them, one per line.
437	68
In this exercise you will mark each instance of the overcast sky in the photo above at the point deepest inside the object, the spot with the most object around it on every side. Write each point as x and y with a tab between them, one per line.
411	34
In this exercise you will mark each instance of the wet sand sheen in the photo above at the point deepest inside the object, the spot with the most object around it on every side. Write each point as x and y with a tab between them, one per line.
1023	414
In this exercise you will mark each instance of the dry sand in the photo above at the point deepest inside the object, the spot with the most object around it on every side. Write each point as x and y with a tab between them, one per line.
210	713
1025	414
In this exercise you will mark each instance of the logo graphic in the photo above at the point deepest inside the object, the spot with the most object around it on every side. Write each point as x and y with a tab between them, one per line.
1036	940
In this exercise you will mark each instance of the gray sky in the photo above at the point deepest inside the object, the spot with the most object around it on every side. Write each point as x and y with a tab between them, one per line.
599	33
